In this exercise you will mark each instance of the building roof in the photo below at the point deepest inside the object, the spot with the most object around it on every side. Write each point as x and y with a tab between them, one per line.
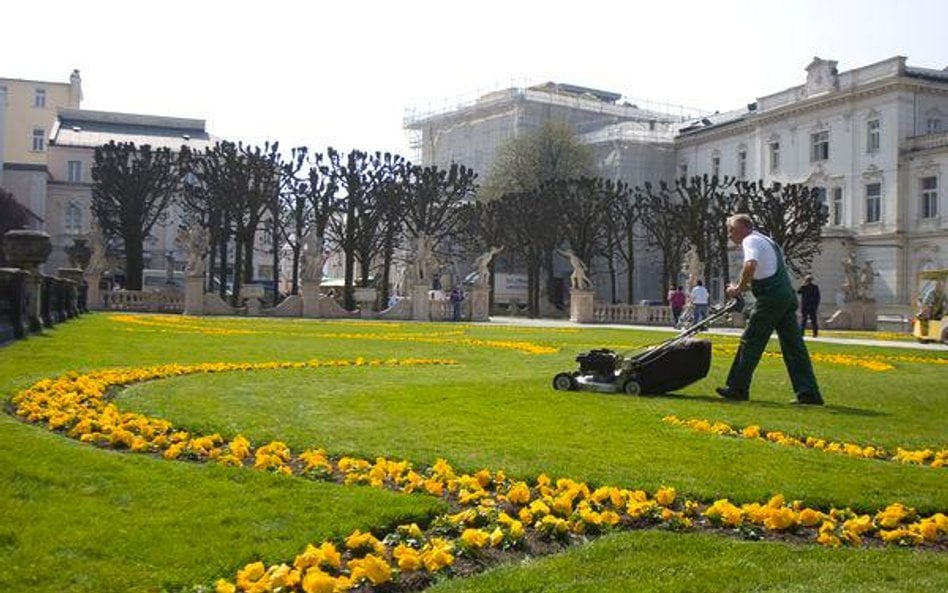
88	129
714	120
928	73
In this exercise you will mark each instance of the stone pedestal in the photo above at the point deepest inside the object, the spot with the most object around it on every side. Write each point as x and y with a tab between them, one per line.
581	306
309	290
28	250
74	276
366	298
420	307
854	315
194	295
480	303
252	293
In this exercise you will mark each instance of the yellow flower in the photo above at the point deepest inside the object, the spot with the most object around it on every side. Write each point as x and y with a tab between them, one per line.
810	517
474	538
407	558
519	493
436	555
751	432
665	496
316	581
377	570
224	586
781	519
250	574
724	512
893	515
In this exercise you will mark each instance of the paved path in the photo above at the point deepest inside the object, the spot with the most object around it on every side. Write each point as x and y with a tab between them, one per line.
562	323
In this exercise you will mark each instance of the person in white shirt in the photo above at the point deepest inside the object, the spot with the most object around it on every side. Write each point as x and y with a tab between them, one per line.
699	299
765	274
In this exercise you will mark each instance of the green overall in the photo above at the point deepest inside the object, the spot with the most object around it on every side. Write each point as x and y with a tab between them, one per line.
775	309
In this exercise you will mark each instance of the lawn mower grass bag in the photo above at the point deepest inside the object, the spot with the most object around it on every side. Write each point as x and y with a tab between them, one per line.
673	367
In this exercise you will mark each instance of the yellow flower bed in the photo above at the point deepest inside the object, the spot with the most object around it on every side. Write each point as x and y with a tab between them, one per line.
495	511
932	457
184	325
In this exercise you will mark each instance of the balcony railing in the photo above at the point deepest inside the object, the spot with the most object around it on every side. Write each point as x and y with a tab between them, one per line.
925	142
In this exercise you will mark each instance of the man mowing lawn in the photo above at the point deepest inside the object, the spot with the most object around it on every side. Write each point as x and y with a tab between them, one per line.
765	273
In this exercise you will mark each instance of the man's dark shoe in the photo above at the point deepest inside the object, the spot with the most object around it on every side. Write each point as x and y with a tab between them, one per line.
807	399
738	395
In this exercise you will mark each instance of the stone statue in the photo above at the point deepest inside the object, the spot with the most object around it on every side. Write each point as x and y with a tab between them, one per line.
482	263
867	278
425	262
97	259
578	280
851	281
693	267
197	245
312	258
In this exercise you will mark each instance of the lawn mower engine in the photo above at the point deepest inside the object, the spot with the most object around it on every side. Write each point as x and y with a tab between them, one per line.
599	364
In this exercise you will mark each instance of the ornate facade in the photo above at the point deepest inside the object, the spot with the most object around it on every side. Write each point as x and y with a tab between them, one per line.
873	139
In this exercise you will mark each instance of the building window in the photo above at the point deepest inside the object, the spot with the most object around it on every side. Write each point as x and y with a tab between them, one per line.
774	157
819	146
933	125
836	209
873	202
74	171
742	164
872	135
39	99
819	193
715	166
72	222
929	205
39	139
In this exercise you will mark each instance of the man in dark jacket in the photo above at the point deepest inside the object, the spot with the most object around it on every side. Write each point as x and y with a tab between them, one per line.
809	304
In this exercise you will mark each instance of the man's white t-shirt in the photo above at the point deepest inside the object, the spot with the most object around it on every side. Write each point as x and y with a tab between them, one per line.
757	247
699	295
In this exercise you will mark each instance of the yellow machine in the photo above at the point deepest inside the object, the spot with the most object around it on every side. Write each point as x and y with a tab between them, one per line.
931	320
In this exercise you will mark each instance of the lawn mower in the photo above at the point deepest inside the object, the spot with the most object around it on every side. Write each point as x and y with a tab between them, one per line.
661	368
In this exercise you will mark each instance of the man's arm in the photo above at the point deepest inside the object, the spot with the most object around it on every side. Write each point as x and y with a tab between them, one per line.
747	275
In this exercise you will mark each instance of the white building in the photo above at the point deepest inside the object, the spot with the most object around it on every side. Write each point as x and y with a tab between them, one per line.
874	138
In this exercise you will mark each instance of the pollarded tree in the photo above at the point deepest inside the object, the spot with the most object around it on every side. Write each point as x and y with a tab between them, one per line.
705	202
308	202
660	217
792	214
257	186
431	207
625	215
133	187
352	175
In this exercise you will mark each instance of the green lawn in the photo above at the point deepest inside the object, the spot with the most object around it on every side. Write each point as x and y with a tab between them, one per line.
80	518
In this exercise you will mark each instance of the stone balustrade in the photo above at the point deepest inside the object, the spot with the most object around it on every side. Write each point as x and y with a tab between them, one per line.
145	301
632	314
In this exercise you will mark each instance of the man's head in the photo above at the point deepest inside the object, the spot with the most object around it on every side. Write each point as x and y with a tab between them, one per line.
807	279
739	226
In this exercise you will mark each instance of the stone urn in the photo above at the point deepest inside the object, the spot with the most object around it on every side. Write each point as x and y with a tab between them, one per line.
26	249
79	253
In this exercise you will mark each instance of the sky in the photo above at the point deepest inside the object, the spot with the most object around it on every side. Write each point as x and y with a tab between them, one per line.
346	73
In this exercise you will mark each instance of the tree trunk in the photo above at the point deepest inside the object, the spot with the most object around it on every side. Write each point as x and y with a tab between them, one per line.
630	272
134	261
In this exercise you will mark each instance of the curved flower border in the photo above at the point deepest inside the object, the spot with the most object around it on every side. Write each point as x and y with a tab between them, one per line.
164	324
493	511
931	457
